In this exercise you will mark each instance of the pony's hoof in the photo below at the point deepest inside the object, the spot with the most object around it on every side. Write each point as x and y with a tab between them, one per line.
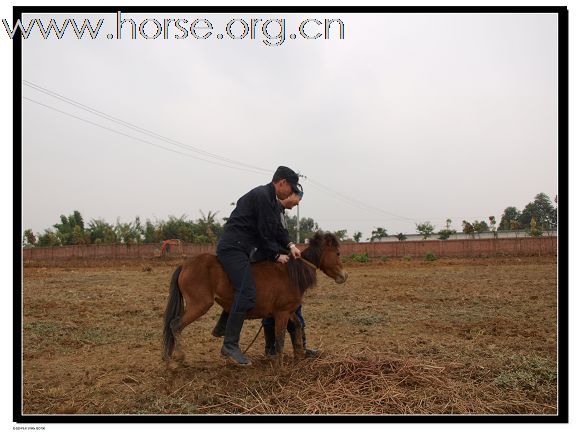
179	356
173	366
312	353
271	356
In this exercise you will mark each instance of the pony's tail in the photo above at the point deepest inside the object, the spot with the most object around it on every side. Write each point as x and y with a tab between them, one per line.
173	314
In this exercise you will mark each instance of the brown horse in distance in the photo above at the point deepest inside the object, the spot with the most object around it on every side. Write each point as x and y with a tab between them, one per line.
279	290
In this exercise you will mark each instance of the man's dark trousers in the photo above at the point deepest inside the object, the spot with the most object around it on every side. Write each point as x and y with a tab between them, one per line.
236	263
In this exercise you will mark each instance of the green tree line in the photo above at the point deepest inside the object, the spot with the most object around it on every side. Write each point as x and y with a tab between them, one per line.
72	230
538	216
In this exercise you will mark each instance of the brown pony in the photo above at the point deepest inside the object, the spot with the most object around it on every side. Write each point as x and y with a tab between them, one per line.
279	290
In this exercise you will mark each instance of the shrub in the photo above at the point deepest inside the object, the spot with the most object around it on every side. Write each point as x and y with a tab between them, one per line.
361	258
407	258
430	256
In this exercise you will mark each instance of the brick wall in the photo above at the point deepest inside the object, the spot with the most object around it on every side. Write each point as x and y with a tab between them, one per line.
456	248
145	250
441	248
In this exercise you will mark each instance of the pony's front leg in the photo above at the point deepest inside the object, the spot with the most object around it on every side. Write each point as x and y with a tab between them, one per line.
281	322
296	335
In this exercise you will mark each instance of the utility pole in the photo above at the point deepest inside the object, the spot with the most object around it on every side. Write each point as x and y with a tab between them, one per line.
298	223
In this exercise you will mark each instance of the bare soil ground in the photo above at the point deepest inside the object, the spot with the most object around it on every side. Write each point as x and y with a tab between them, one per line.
452	336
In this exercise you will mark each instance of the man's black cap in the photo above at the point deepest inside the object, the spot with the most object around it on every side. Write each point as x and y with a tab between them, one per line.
284	172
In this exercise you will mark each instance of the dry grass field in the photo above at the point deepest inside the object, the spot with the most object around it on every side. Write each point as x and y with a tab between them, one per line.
451	336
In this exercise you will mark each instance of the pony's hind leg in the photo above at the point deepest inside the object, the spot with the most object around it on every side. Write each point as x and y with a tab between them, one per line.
193	311
176	328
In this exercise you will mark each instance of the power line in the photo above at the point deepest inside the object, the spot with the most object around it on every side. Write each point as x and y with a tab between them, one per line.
138	128
357	203
244	166
134	137
315	184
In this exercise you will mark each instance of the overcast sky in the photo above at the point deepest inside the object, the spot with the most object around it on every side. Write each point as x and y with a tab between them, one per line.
409	118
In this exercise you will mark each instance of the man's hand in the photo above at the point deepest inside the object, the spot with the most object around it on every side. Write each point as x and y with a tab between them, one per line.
282	259
294	251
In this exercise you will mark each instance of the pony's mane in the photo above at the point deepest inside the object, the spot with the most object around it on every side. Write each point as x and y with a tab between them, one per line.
303	276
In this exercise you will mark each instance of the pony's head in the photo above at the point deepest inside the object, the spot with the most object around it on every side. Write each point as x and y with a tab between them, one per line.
323	251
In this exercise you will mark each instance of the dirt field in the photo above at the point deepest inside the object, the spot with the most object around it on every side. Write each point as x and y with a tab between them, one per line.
461	336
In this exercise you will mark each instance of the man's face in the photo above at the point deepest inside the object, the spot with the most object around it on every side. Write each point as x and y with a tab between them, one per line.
283	189
290	202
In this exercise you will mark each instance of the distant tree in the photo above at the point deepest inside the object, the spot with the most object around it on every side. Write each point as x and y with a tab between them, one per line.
468	229
357	236
492	226
308	227
79	237
480	227
65	230
179	228
447	232
401	237
127	233
207	230
139	229
79	219
101	232
28	239
444	234
340	235
49	238
150	233
509	214
426	229
378	233
291	223
534	230
515	226
542	210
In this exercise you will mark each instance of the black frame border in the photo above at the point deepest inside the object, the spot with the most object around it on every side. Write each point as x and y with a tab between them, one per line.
563	210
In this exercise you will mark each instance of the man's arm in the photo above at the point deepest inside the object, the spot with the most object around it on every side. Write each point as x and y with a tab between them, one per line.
283	237
268	222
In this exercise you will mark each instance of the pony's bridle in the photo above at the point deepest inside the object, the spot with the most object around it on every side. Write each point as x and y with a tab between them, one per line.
312	265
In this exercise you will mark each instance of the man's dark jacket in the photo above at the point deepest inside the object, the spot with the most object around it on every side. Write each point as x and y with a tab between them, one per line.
255	223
